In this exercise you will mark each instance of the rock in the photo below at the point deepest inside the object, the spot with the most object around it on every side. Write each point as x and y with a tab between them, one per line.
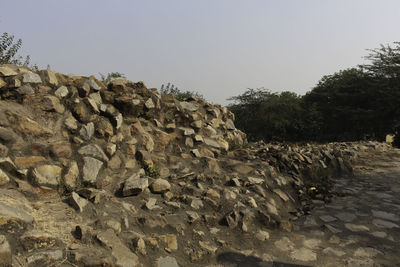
333	252
61	92
262	235
124	257
47	257
327	218
14	213
93	151
385	215
7	136
25	90
209	248
230	125
77	202
2	83
114	163
189	106
139	245
36	239
231	219
111	224
81	112
170	240
243	169
384	224
4	179
91	169
211	142
148	142
118	120
52	103
355	227
71	123
50	77
6	71
47	175
366	252
61	149
303	254
87	131
284	244
5	251
213	193
253	180
134	185
28	126
111	148
281	194
192	216
160	186
30	77
197	204
195	152
346	217
7	165
167	261
27	162
149	104
71	178
186	131
3	151
92	83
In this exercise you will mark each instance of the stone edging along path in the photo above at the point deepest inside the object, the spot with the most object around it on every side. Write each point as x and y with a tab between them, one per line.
359	227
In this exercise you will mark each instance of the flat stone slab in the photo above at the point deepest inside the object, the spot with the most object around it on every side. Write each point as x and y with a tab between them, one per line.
385	215
346	217
356	227
384	224
303	254
327	218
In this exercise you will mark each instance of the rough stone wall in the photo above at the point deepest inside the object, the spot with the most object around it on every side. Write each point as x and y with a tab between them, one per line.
117	170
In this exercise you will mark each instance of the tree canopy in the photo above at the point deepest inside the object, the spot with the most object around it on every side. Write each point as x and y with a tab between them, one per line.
358	103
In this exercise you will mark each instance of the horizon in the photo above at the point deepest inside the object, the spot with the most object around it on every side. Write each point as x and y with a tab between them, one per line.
215	48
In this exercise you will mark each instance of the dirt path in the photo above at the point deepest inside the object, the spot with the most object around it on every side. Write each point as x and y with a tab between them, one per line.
360	227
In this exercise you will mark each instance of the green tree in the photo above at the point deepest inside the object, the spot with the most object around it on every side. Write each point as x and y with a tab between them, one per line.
384	68
270	116
9	50
346	101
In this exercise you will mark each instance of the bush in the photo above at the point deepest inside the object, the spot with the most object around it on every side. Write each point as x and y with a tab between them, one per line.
178	94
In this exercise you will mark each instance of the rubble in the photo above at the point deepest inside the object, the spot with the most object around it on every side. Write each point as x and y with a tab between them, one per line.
119	158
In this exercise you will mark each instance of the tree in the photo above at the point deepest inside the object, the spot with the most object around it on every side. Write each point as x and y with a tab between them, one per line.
270	116
9	50
346	101
384	68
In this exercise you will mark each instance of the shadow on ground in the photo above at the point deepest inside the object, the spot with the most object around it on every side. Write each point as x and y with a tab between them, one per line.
231	259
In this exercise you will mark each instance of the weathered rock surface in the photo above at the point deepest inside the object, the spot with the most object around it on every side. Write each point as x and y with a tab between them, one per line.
93	173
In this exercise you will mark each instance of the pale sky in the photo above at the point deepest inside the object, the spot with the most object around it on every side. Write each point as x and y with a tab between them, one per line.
218	48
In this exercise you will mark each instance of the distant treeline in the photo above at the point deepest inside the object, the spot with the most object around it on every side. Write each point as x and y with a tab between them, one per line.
353	104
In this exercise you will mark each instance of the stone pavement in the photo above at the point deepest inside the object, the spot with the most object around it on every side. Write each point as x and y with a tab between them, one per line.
359	227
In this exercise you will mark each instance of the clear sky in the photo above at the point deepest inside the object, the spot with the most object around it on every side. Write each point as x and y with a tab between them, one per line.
216	47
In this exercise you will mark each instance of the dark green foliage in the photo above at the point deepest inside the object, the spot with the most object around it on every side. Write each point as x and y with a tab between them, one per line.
178	94
346	101
269	116
353	104
9	50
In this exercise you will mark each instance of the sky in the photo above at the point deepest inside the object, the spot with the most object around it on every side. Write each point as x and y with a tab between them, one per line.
218	48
